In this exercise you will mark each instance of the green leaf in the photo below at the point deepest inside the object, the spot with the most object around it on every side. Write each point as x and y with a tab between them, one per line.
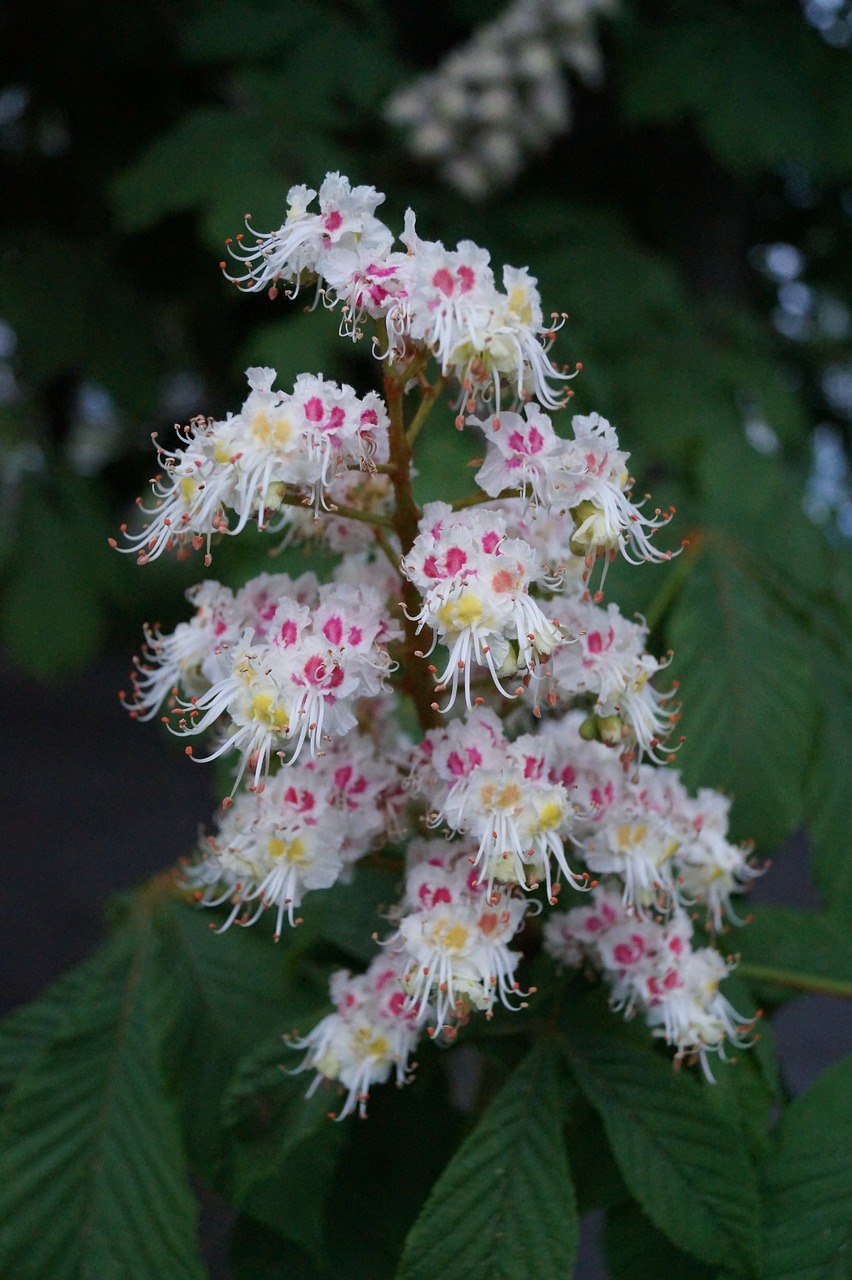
797	949
92	1170
286	1145
808	1185
763	1051
223	994
829	813
52	620
348	915
722	66
213	159
635	1250
748	714
28	1029
683	1164
504	1206
743	1099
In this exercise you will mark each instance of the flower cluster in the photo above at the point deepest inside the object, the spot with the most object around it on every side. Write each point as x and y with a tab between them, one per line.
370	1035
442	301
585	477
503	95
474	583
278	664
279	447
500	793
300	833
453	938
652	968
535	755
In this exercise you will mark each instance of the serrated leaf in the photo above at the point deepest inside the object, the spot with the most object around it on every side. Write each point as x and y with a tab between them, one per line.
92	1177
748	714
226	993
503	1209
27	1030
743	1099
808	1185
681	1162
286	1146
828	810
798	949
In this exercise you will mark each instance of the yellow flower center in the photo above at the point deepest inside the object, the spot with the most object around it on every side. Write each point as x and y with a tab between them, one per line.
519	303
264	708
454	937
375	1046
629	834
276	432
295	851
465	611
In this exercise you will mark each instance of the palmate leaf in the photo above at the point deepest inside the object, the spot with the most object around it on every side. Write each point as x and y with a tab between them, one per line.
504	1207
748	715
683	1164
92	1177
808	1185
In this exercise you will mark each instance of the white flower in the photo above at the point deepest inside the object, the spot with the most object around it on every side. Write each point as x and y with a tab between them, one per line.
502	95
520	450
455	938
292	675
346	219
476	332
591	480
279	445
608	661
475	582
652	968
299	832
499	794
370	1036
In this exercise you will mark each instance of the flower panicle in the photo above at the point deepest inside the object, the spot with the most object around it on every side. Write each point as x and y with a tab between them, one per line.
537	755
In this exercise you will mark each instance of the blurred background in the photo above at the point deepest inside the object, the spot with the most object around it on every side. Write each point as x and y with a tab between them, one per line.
678	175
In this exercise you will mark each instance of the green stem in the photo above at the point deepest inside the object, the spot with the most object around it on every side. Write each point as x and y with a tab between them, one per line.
386	548
475	499
425	408
349	513
377	468
795	980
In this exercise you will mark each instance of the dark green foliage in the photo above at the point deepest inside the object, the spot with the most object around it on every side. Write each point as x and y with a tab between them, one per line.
635	1250
808	1185
93	1167
672	1147
504	1206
